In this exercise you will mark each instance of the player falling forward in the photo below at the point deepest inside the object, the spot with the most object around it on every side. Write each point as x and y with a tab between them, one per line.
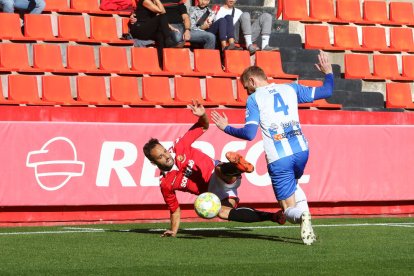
275	108
187	169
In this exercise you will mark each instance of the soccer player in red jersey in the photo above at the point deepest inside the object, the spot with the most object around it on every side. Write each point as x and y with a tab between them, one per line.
187	169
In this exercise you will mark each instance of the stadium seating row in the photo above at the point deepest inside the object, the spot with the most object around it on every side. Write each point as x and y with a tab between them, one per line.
385	67
38	27
78	6
81	59
349	11
346	38
92	90
156	90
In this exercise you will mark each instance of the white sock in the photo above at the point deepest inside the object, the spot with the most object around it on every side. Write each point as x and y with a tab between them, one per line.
301	200
294	215
248	39
265	41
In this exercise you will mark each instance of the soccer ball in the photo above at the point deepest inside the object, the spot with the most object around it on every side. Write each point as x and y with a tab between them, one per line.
207	205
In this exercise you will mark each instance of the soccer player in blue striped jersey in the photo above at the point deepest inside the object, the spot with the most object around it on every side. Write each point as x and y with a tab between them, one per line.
274	107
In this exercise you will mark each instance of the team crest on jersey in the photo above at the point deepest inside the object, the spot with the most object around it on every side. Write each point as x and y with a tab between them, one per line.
180	158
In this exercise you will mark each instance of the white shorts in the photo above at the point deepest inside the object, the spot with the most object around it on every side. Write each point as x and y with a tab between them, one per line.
223	190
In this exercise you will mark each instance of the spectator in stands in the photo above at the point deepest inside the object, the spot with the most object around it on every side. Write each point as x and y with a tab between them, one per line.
274	107
202	18
178	20
248	31
187	169
150	22
200	22
26	6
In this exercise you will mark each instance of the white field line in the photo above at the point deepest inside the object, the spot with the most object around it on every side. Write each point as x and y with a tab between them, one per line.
99	230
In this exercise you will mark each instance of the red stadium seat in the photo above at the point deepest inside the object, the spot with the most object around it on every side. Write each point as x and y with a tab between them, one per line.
375	12
125	89
92	7
401	13
386	67
48	57
349	11
322	10
207	61
398	95
10	27
14	57
145	61
57	89
241	92
3	100
374	39
317	37
177	62
72	27
357	67
401	39
220	91
23	89
114	60
188	89
92	90
57	5
236	61
271	63
346	38
157	89
39	27
82	59
87	6
296	10
104	29
408	66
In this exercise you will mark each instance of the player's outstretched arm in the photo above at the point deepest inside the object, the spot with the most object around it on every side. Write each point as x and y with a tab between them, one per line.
221	121
324	64
199	111
248	132
175	224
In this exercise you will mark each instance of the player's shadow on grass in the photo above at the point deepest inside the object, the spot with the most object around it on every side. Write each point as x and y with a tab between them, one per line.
222	233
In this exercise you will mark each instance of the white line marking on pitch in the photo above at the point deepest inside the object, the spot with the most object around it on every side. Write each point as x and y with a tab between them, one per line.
403	224
99	230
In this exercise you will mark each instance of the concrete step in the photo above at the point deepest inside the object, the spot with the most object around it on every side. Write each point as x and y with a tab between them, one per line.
307	70
285	40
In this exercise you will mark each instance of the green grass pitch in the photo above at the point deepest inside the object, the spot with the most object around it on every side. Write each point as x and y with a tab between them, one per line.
377	246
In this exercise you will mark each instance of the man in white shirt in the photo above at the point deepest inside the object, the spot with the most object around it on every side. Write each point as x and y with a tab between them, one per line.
248	31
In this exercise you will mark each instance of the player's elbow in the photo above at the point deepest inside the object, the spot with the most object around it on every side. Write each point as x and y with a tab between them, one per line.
250	136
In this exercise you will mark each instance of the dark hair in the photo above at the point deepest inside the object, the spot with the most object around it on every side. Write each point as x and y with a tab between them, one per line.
149	146
252	71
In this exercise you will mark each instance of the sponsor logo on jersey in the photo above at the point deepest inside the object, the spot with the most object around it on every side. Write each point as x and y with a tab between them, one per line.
187	173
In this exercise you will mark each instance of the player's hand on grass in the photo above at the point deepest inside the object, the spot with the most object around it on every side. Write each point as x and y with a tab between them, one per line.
169	233
197	108
221	121
324	65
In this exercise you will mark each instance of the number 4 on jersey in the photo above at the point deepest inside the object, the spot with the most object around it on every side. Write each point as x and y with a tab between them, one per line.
280	104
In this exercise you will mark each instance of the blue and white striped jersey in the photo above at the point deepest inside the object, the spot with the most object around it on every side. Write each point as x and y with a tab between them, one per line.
275	108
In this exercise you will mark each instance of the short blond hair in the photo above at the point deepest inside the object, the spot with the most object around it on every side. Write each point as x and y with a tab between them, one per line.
252	71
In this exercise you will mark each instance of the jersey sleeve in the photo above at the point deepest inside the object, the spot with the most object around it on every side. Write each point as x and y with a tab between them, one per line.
305	94
169	195
182	9
190	136
252	111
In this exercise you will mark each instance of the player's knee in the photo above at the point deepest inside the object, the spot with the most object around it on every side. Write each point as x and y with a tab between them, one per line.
245	16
